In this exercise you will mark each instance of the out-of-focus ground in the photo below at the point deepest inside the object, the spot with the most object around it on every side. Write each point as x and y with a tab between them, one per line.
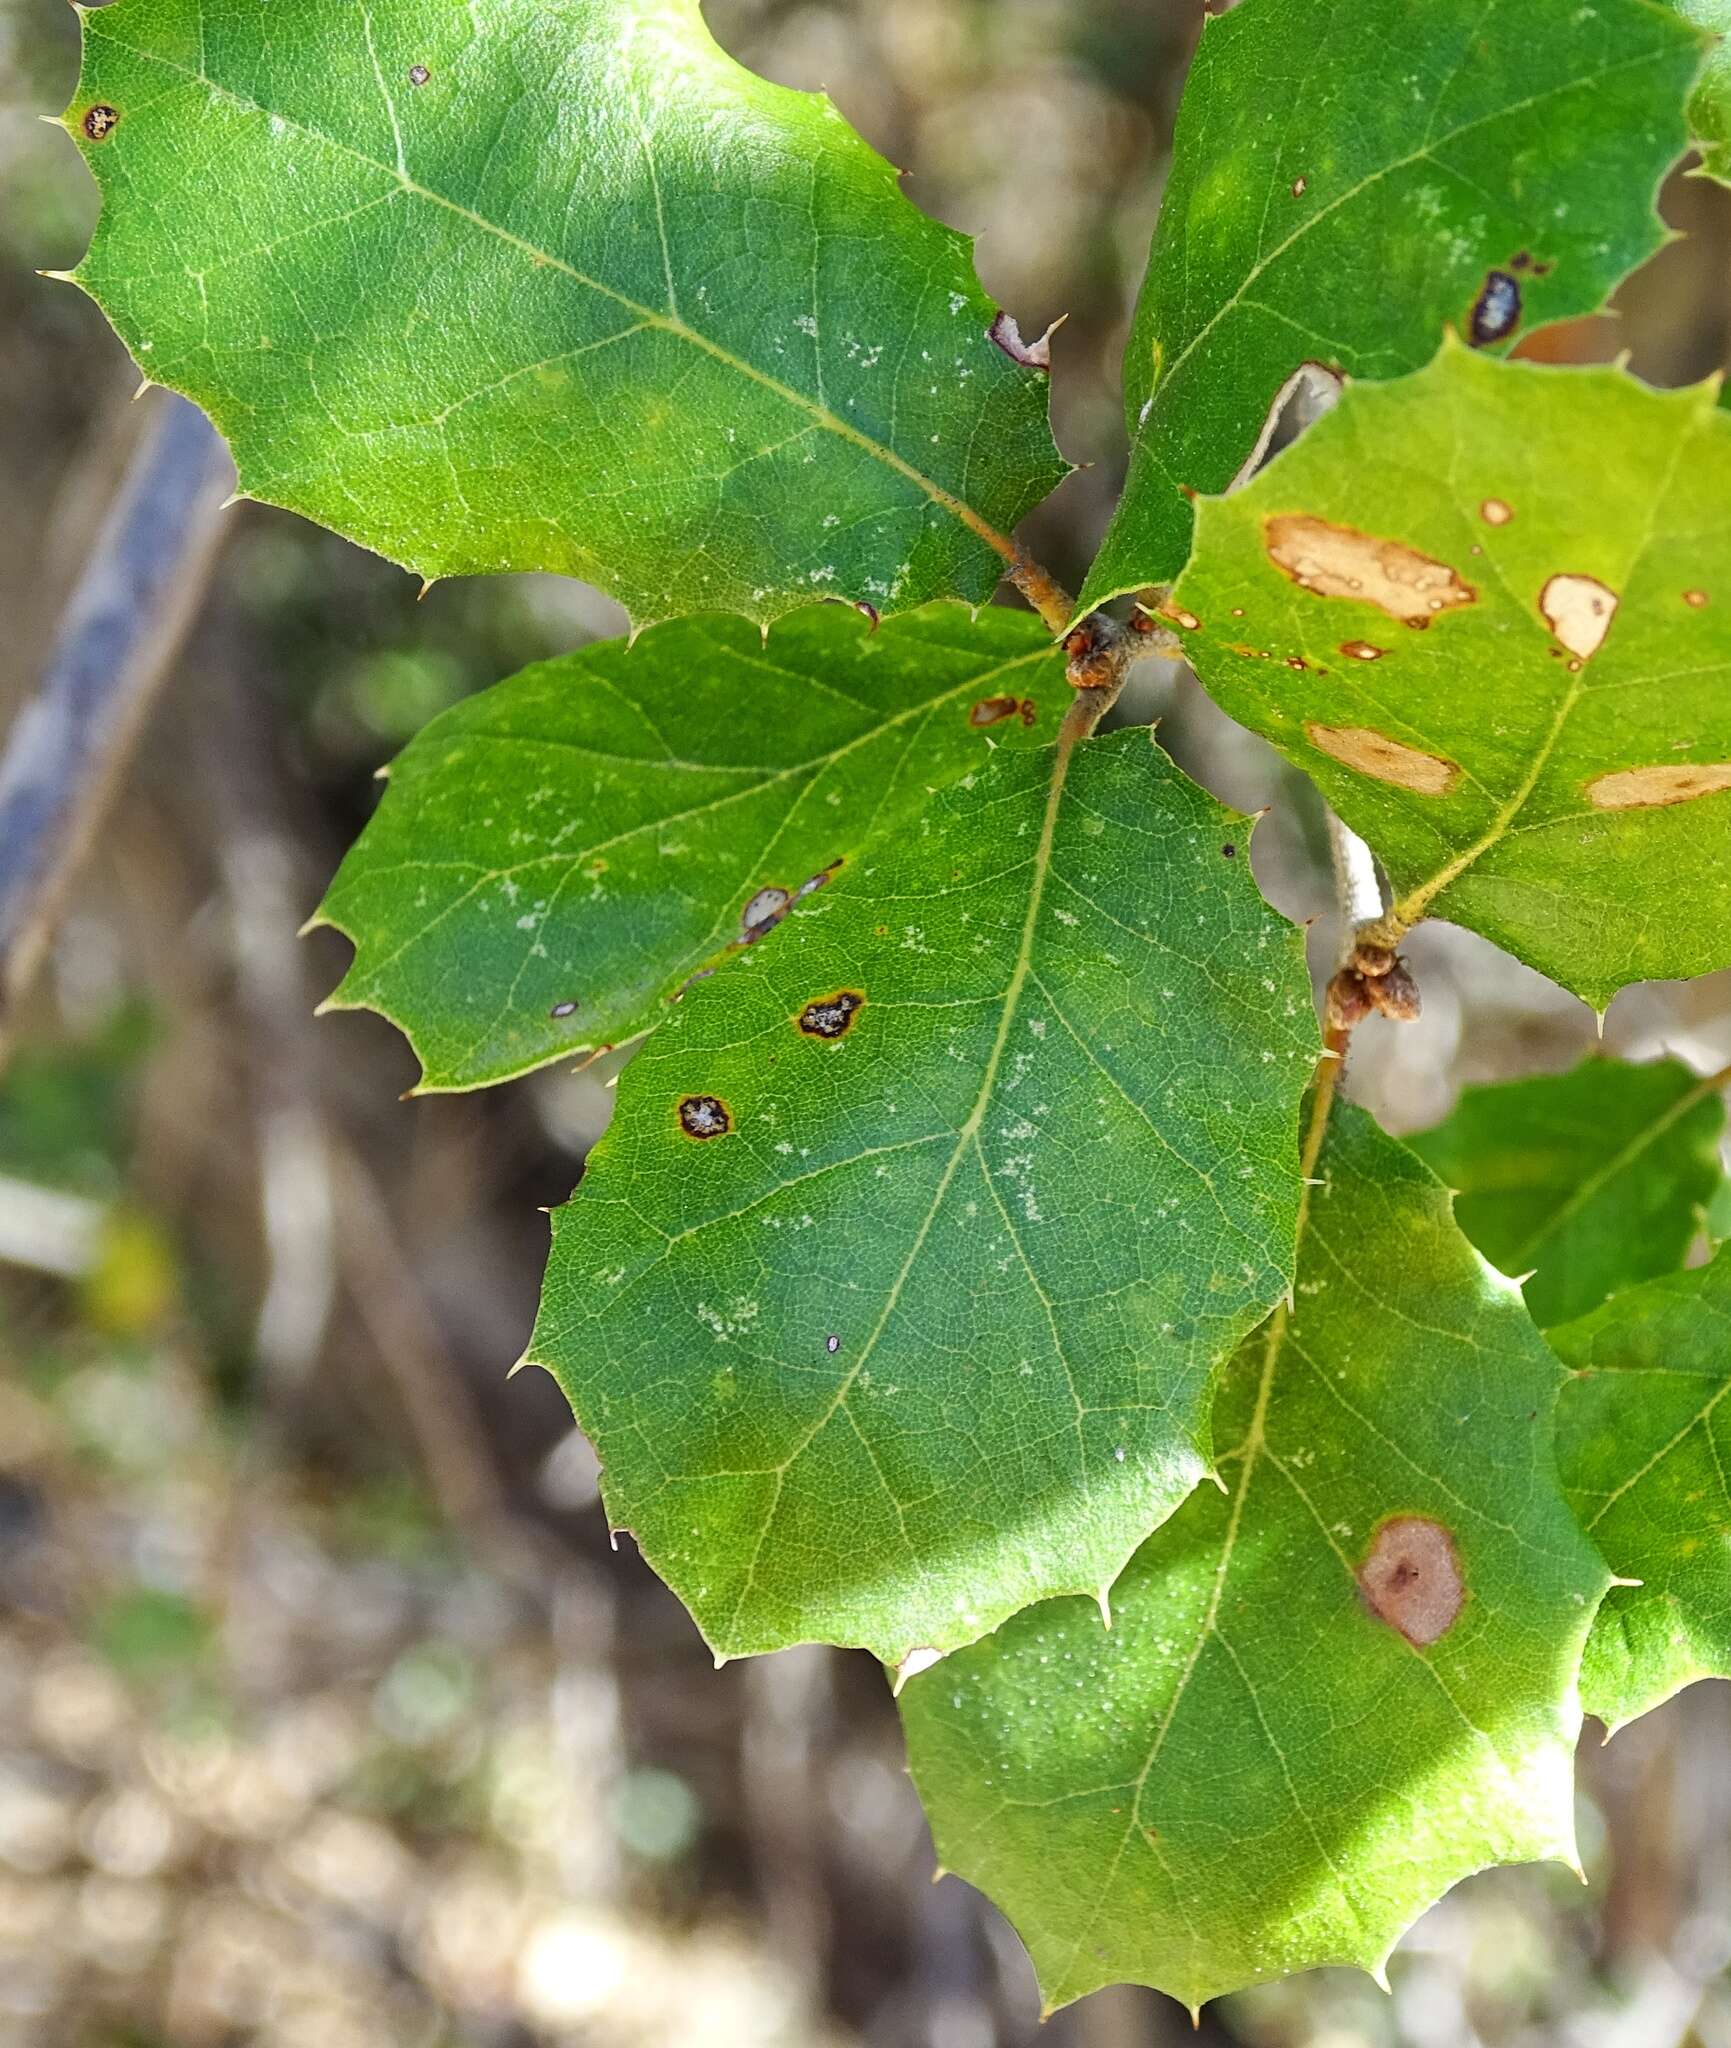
327	1714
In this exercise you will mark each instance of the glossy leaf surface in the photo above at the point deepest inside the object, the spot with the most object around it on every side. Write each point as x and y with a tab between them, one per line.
893	1297
1348	180
1488	609
553	284
1590	1180
1331	1688
555	858
1644	1440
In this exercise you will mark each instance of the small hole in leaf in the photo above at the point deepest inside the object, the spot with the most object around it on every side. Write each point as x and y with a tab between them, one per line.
418	74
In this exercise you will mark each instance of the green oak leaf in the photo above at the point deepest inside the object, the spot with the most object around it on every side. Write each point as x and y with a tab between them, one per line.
553	284
1644	1443
1512	685
1590	1180
555	858
1331	1688
893	1297
1710	104
1352	176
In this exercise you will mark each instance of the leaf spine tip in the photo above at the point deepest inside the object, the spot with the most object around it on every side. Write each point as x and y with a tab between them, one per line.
234	498
312	924
518	1367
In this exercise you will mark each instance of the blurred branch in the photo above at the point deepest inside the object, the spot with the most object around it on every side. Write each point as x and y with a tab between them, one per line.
70	744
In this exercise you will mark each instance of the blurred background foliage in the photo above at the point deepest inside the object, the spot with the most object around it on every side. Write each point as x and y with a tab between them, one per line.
328	1715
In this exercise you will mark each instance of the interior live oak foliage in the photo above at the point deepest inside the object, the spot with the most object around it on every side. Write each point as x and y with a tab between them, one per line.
967	1274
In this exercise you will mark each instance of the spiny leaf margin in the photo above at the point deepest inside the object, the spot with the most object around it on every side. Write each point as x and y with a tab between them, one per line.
924	1324
556	858
1252	1773
530	285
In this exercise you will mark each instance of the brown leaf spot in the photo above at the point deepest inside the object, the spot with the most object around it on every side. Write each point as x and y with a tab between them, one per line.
1298	185
1412	1579
868	612
1179	617
705	1116
1336	561
1374	753
100	122
994	710
1496	512
1362	650
1640	789
1695	599
1579	610
418	74
831	1016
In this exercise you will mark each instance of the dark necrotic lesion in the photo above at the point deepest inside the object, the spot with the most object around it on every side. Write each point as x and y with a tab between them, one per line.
831	1016
705	1116
1497	309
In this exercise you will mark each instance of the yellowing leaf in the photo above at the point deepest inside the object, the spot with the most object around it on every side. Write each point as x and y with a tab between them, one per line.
1488	609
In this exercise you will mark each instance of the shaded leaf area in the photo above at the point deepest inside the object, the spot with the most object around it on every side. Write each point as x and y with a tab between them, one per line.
893	1296
1488	609
555	858
553	284
1590	1181
1644	1443
1332	1687
1710	103
1350	179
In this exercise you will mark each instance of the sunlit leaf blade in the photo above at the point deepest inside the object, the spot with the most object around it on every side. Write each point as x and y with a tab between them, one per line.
557	857
1488	609
1644	1442
1710	104
553	284
1350	178
893	1296
1589	1181
1255	1771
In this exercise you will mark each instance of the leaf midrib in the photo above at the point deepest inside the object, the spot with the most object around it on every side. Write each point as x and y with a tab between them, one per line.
664	322
966	1138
